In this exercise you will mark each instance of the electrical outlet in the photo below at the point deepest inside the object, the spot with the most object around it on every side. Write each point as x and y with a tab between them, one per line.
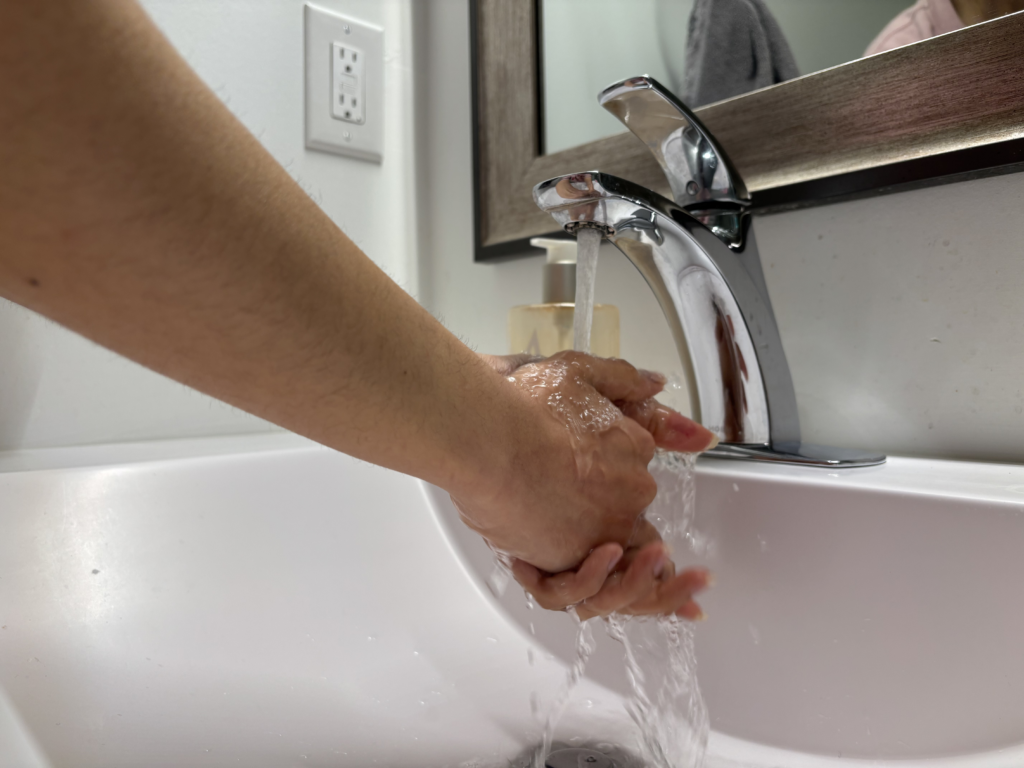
348	92
344	85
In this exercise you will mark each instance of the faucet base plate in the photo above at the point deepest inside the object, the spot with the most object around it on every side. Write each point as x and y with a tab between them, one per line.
801	454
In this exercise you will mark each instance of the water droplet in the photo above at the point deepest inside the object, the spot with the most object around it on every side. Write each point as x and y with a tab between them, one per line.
415	653
529	656
736	487
492	639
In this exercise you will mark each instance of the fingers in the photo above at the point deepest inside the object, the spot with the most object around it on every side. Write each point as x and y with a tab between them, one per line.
623	588
648	586
643	442
616	379
557	592
670	429
644	533
674	596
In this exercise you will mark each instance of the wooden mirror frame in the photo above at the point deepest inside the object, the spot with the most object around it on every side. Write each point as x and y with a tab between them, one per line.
945	109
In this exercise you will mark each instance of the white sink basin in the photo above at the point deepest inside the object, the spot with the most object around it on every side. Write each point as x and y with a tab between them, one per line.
263	601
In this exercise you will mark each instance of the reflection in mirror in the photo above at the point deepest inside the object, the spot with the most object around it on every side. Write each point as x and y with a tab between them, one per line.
709	50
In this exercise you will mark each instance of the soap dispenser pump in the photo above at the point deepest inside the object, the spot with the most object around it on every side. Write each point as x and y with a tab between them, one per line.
545	328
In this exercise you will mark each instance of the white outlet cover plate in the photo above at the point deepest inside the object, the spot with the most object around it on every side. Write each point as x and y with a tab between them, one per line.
328	34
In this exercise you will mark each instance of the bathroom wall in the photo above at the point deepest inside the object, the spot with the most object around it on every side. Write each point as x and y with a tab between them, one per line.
59	389
901	315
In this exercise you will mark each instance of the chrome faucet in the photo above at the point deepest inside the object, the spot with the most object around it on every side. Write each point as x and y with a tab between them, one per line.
699	256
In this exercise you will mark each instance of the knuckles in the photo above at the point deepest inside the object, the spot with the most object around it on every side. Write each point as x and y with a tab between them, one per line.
647	489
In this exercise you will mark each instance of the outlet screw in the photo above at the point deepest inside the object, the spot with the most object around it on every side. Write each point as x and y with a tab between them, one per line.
347	136
348	29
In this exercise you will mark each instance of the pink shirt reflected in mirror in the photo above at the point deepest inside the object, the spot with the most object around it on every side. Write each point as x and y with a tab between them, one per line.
924	19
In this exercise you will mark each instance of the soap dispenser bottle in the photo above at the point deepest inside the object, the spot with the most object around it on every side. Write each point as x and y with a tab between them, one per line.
546	328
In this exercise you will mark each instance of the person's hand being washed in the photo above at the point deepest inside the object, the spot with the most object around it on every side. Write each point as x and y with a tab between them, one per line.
600	432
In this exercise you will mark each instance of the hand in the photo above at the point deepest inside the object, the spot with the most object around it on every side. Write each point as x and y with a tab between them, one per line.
641	583
592	472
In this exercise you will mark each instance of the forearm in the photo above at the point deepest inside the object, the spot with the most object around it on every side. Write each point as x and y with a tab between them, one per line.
148	219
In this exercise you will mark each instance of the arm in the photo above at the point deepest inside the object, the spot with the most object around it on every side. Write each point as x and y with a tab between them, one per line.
149	220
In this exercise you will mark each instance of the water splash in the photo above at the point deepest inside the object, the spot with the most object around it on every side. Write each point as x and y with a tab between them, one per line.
564	385
666	703
584	649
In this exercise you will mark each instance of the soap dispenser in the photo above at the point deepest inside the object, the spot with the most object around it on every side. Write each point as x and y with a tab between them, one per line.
546	328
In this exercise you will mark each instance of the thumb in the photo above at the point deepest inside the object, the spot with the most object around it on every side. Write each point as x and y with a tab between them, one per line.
670	429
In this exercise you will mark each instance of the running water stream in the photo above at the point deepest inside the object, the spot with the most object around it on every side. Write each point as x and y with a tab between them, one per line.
666	703
588	244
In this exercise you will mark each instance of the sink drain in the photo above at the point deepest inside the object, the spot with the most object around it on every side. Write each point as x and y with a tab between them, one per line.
579	758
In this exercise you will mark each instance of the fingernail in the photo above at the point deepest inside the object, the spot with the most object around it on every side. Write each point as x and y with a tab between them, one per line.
709	580
614	562
659	566
692	611
713	443
654	376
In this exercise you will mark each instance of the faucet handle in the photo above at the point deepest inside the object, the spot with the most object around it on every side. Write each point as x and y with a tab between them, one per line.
698	171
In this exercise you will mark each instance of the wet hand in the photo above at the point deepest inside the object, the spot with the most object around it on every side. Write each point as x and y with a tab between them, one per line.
577	493
640	582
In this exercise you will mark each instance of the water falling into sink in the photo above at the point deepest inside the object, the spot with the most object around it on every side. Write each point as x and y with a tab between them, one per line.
666	703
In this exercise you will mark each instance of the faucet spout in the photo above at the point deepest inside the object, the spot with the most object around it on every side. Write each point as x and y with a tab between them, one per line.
699	256
687	266
713	295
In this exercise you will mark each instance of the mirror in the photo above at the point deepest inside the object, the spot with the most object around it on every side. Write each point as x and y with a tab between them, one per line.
653	36
946	108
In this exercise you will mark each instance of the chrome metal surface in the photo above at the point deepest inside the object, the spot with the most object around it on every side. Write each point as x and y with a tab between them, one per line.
702	179
700	258
578	758
801	454
716	303
701	285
